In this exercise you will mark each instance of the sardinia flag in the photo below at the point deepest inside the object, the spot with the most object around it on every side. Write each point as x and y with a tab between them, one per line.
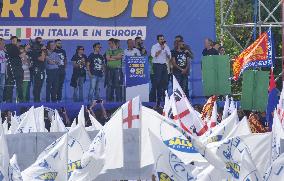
24	33
272	100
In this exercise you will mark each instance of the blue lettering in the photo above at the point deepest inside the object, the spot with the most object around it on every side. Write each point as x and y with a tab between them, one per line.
7	32
75	33
279	171
85	32
139	33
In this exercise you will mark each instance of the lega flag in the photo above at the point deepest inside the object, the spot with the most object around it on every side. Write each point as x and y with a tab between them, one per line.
14	170
131	113
4	155
51	164
189	120
232	107
226	108
222	130
73	125
5	127
81	116
275	172
277	135
78	143
248	169
28	123
258	145
171	137
105	151
167	165
39	118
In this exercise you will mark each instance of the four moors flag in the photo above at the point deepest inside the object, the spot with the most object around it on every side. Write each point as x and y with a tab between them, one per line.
185	113
258	54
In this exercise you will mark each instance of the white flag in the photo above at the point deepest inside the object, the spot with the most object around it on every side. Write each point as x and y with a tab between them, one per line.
167	107
189	120
73	125
276	171
4	155
95	124
14	125
171	137
131	113
5	126
222	130
39	118
28	123
278	134
57	124
241	129
51	164
232	107
248	171
78	143
14	170
81	116
226	108
167	165
105	151
258	145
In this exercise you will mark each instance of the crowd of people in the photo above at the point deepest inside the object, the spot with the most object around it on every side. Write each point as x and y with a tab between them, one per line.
29	65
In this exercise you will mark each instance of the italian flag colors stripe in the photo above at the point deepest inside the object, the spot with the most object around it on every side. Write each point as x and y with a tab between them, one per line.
23	32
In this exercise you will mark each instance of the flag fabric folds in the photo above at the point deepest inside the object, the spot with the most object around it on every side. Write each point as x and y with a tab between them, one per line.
258	54
272	100
4	155
14	170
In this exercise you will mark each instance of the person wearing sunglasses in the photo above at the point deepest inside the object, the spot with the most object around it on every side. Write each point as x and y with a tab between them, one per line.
95	68
79	74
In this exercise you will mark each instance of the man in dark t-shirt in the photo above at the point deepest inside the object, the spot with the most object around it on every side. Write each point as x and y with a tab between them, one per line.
209	49
180	61
62	66
95	69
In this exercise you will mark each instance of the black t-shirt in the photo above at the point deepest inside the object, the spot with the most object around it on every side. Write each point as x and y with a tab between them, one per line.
96	64
181	59
37	65
80	71
14	56
211	51
62	55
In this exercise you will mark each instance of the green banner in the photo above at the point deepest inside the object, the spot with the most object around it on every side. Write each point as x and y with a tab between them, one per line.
255	90
215	75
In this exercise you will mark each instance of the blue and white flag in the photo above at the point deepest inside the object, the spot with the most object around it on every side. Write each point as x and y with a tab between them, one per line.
167	165
28	123
105	151
276	171
51	165
39	118
14	170
226	108
278	134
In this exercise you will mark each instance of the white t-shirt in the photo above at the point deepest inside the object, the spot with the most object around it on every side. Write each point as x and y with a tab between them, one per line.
3	62
162	57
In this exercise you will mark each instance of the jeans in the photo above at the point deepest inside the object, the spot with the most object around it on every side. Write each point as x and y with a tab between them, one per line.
2	85
61	78
14	76
79	89
38	79
94	88
114	82
161	80
153	91
51	84
183	82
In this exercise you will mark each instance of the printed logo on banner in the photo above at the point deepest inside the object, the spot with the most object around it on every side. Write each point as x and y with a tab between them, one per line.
73	166
75	149
234	169
50	176
164	177
180	145
179	167
62	9
214	139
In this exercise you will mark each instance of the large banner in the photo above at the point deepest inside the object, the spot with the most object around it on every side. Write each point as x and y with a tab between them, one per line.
84	22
